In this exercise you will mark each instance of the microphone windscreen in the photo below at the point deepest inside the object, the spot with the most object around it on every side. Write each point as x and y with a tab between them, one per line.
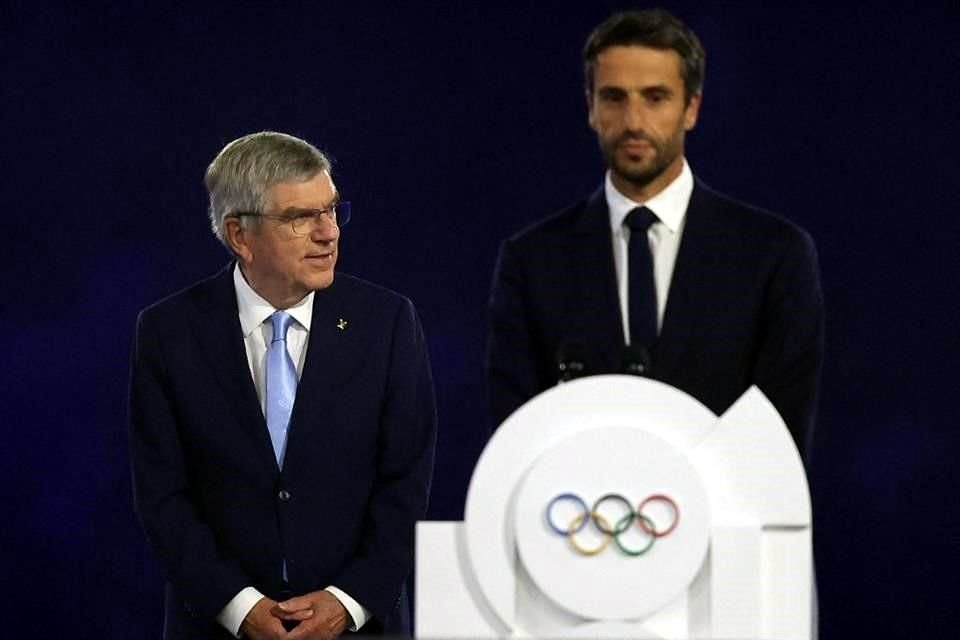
635	360
571	361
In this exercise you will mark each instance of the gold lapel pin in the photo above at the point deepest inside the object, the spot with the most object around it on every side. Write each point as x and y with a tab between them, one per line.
341	324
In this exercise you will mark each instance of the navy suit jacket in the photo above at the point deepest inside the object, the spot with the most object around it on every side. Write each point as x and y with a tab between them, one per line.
217	509
744	308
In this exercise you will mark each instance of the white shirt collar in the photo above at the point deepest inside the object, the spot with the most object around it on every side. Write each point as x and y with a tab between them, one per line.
254	310
670	205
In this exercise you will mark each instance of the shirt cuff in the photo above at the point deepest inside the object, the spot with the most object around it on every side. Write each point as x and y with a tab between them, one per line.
357	611
233	615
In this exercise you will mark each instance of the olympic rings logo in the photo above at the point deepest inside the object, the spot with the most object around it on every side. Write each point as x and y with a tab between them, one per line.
620	526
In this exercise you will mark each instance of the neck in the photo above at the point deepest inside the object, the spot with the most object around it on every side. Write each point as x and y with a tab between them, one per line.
279	300
643	192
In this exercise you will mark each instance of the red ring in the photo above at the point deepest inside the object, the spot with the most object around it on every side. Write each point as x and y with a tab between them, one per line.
652	531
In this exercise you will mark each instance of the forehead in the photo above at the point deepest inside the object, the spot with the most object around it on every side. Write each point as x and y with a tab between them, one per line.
315	193
636	67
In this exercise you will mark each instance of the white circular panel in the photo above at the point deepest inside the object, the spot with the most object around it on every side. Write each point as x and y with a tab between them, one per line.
574	407
612	585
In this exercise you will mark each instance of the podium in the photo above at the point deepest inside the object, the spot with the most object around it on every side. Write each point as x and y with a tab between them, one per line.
620	507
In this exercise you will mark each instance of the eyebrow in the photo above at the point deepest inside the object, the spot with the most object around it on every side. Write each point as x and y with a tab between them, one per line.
609	88
658	88
296	210
617	89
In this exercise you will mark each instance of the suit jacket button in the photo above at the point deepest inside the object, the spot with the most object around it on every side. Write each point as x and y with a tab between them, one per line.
284	495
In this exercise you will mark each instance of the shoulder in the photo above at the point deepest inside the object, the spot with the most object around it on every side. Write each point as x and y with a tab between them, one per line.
382	307
356	290
380	315
586	216
741	219
557	246
556	223
195	300
747	240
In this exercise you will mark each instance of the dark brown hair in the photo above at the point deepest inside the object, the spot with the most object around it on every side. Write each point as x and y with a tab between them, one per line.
654	28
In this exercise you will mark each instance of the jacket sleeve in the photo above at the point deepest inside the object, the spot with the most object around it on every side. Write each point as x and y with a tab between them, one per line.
407	437
790	354
185	546
511	368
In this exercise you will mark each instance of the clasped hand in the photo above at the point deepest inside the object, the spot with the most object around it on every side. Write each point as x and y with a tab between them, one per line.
319	614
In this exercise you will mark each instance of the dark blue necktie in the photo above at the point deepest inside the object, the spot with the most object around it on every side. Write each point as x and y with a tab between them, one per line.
642	292
281	384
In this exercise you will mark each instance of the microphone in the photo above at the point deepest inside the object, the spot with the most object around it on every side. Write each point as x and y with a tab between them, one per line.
635	360
571	361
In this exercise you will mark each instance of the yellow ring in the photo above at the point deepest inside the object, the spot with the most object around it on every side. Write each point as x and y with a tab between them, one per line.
607	538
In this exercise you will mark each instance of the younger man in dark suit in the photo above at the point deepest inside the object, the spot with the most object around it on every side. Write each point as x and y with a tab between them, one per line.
655	271
282	419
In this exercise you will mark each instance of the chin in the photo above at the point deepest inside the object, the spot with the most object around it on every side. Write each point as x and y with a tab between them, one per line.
322	281
314	277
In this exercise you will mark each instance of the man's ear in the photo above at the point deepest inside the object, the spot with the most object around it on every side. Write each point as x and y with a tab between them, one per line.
692	111
588	96
237	237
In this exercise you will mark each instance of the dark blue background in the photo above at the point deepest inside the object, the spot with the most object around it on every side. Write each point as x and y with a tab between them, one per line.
452	126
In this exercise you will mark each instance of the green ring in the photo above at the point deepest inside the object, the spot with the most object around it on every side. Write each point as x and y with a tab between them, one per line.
633	552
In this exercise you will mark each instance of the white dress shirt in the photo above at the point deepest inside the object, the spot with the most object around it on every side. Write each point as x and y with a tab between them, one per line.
670	207
257	331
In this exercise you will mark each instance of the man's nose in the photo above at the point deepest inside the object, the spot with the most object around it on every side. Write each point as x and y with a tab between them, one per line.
324	230
635	118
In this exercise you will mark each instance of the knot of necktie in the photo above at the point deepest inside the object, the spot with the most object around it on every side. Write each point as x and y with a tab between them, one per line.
281	321
640	219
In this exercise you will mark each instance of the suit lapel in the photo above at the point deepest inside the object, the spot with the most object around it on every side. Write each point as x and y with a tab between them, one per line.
329	348
690	286
220	339
598	282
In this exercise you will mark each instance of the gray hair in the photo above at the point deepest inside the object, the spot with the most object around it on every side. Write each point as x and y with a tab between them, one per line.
239	177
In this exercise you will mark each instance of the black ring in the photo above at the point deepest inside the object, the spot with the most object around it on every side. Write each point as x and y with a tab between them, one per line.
617	530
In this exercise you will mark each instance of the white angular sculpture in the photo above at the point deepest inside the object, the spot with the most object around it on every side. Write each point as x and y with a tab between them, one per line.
738	563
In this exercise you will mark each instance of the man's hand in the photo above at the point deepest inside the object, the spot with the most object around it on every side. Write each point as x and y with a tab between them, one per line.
321	614
262	624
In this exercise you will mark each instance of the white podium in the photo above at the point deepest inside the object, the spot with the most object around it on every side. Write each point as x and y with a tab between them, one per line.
530	560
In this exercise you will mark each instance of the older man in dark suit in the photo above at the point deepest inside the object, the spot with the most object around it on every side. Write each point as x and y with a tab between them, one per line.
655	273
282	418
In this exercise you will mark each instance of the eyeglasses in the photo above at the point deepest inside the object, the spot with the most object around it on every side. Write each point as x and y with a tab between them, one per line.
303	221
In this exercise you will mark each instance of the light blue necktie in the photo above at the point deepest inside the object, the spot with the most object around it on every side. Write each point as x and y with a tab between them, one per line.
281	384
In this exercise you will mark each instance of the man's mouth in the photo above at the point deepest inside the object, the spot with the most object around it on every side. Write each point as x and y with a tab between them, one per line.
635	144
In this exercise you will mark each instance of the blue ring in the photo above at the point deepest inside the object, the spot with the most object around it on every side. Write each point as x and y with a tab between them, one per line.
575	498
